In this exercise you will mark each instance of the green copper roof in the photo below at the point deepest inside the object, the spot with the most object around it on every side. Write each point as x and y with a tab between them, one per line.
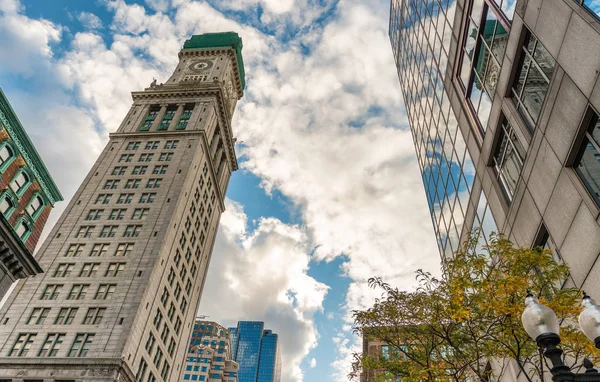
27	150
219	40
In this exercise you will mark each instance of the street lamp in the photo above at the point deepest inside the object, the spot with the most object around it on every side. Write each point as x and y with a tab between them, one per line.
541	323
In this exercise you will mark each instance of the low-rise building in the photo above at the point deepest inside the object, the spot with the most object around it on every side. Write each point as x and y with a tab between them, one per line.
27	195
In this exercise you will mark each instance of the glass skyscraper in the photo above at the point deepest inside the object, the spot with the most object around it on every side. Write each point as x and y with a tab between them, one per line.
257	352
421	36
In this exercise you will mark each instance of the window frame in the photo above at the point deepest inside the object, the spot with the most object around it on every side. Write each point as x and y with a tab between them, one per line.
584	137
12	148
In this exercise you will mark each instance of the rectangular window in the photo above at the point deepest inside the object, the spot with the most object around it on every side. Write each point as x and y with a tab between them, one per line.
94	215
141	373
146	157
158	317
109	231
22	345
126	158
158	358
172	343
147	197
150	117
85	231
132	145
89	270
78	291
117	214
111	184
139	170
114	269
532	81
153	183
171	145
65	316
51	292
51	345
140	213
125	199
63	270
587	162
94	316
160	170
177	325
38	316
124	249
98	250
164	336
119	170
165	157
185	117
81	345
103	199
132	183
152	145
74	250
167	118
150	342
508	159
164	298
132	231
105	291
165	371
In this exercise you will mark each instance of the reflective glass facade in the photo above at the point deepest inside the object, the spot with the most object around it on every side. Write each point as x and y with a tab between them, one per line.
257	352
268	365
421	35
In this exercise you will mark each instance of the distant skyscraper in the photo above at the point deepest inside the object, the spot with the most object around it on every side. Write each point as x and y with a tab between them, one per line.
209	355
257	352
27	195
126	262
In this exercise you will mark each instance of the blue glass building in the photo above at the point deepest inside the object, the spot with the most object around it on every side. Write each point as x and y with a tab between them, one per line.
257	352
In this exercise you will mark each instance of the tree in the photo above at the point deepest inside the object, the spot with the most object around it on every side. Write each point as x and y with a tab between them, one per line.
467	324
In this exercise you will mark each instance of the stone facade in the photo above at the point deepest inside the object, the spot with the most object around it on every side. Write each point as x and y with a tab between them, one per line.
127	261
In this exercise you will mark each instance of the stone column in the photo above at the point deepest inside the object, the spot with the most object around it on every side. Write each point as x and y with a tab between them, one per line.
176	117
159	117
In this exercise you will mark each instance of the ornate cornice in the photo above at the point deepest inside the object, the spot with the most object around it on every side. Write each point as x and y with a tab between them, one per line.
210	90
27	150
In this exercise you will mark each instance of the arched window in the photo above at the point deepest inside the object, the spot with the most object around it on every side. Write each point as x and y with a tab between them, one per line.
7	154
7	205
20	182
35	206
23	229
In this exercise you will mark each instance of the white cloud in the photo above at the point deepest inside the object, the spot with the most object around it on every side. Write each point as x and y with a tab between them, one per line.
313	363
26	43
89	20
358	189
261	275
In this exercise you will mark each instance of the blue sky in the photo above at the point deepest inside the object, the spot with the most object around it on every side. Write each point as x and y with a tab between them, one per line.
328	193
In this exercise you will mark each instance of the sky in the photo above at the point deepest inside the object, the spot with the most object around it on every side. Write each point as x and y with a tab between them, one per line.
328	192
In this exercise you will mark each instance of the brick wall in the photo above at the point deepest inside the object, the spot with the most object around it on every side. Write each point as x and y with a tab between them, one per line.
24	200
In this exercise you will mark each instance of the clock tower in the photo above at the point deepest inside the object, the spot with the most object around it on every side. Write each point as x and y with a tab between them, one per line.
126	263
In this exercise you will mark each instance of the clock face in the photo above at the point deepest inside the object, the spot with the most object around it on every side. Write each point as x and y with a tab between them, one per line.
201	65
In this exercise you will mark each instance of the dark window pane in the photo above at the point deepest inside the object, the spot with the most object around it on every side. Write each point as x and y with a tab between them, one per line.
588	165
534	92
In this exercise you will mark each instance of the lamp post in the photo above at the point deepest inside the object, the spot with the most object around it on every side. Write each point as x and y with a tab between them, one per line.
542	325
